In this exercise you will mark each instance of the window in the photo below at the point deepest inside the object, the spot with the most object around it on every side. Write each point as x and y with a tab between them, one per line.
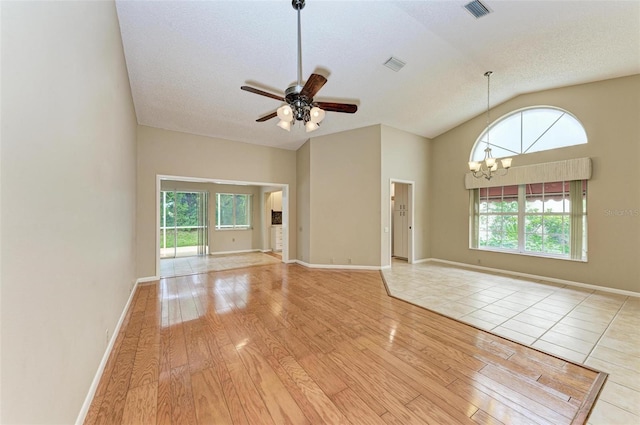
547	219
530	130
233	211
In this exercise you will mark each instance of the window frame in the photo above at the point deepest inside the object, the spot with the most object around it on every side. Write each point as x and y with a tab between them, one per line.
234	214
480	143
573	217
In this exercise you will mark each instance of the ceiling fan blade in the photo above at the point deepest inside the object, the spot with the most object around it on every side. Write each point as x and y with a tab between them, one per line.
262	93
267	117
313	84
338	107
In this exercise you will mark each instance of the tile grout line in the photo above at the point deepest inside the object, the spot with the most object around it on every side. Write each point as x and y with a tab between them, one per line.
605	330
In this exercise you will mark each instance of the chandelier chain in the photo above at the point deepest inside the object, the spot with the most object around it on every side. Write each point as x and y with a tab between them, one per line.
488	75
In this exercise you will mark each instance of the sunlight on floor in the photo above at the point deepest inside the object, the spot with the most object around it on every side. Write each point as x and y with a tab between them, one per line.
170	267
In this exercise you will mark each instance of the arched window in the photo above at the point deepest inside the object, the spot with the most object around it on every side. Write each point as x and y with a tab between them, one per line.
533	129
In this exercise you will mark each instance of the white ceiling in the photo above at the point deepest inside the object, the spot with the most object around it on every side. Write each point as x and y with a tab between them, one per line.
188	59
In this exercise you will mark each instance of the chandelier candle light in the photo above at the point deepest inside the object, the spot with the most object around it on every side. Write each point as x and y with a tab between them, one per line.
488	167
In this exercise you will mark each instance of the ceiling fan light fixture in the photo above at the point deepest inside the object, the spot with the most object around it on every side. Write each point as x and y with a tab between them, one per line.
316	115
299	98
285	113
311	126
285	125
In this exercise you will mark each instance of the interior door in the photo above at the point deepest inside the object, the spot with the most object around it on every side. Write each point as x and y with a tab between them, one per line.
400	221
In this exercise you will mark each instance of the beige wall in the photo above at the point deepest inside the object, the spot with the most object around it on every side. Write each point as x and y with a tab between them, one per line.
163	152
610	113
68	202
303	212
406	156
345	198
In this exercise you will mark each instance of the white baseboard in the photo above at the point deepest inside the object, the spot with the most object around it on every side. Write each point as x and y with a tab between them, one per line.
147	279
96	379
422	260
537	277
336	266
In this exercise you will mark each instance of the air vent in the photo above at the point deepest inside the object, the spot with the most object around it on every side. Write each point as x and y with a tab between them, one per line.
394	64
477	9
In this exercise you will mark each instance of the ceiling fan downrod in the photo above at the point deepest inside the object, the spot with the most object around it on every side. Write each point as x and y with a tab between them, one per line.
299	5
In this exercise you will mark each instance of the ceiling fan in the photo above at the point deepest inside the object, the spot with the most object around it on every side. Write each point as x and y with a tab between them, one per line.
300	105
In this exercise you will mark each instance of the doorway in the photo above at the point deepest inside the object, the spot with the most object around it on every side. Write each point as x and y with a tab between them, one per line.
184	224
259	240
402	220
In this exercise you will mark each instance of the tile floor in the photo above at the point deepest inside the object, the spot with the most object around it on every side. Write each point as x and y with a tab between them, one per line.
595	328
181	266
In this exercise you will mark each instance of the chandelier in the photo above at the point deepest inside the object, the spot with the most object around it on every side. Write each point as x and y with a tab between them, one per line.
488	167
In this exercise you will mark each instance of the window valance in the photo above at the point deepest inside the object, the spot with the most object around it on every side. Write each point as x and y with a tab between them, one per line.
568	170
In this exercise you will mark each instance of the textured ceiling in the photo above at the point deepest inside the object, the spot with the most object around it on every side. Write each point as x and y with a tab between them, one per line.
187	59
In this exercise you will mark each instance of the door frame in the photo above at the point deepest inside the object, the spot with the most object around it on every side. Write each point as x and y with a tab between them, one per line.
285	207
410	204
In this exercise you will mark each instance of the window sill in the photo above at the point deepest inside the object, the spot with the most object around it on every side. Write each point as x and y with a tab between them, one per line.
530	254
231	229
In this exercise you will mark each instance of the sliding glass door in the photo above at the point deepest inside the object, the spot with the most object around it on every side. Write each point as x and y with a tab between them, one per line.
184	223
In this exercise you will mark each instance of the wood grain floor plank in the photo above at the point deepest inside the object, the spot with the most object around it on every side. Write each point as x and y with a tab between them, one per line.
254	407
146	363
355	409
357	385
197	346
182	405
557	402
115	395
208	396
94	408
279	402
177	347
483	418
439	394
319	400
513	399
164	403
140	406
510	413
431	412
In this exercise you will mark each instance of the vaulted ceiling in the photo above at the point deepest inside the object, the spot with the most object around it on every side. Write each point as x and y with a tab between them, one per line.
187	59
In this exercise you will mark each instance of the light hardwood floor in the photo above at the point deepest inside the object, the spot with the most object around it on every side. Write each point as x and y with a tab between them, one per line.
284	344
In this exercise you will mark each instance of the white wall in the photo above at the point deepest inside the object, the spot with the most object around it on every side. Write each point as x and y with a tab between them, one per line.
68	202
